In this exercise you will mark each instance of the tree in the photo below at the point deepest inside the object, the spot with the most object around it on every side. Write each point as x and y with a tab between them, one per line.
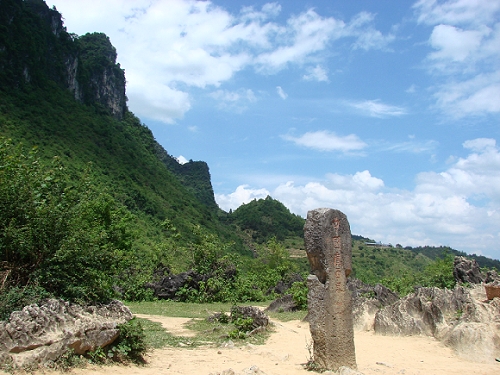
65	237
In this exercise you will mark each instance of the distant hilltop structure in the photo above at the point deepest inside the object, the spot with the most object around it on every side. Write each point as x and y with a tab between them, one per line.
377	244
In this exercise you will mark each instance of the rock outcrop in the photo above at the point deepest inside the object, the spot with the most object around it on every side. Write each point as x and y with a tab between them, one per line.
86	65
461	318
284	303
168	286
467	271
367	301
42	333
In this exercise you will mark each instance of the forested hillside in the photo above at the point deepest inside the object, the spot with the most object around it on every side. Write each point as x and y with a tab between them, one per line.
65	127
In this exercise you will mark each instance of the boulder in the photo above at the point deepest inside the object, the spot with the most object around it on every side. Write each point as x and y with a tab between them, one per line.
283	285
168	286
259	318
283	304
42	333
467	271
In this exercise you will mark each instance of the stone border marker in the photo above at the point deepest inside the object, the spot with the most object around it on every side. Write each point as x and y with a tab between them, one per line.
327	237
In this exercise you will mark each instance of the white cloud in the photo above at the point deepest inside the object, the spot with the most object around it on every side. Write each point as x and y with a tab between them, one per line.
328	141
466	50
236	101
459	207
475	96
367	36
456	12
412	146
283	95
243	194
454	43
480	144
316	73
412	89
375	108
168	47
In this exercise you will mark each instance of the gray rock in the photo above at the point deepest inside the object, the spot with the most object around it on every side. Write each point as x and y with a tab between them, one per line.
461	318
327	237
467	271
283	304
42	333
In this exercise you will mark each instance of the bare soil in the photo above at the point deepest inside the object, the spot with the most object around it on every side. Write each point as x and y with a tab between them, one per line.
286	350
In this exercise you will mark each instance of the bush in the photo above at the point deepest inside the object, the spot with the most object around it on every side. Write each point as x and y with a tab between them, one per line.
66	237
16	298
299	293
131	343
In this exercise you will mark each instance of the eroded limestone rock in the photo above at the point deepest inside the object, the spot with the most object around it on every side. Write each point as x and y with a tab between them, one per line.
42	333
327	238
462	319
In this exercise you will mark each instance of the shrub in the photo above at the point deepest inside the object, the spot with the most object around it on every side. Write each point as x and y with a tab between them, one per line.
66	237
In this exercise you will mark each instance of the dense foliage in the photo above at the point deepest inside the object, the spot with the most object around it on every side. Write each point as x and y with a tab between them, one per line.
63	236
267	218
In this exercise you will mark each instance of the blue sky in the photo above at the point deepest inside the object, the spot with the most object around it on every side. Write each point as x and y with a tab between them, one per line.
386	110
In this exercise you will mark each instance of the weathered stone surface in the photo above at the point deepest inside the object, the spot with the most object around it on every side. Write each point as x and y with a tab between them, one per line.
467	271
259	318
283	304
168	286
367	301
327	238
461	318
283	285
38	334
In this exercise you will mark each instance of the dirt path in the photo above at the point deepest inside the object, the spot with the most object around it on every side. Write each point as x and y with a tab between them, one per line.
286	350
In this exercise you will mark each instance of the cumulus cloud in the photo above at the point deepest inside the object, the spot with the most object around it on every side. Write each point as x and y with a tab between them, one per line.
459	207
242	195
375	108
168	47
327	141
466	49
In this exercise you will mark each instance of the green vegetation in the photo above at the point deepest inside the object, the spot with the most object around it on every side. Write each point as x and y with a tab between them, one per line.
92	207
266	218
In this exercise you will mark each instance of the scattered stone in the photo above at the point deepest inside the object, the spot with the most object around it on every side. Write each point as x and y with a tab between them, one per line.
383	364
168	286
228	344
327	237
229	371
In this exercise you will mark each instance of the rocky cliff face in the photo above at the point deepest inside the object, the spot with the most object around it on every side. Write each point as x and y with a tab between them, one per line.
194	175
36	48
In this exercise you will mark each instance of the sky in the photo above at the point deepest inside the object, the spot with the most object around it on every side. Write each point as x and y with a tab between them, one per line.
386	110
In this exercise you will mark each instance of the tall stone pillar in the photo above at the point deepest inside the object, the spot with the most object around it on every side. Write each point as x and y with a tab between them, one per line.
327	238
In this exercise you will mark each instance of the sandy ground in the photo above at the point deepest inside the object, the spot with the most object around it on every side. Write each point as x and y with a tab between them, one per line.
286	350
